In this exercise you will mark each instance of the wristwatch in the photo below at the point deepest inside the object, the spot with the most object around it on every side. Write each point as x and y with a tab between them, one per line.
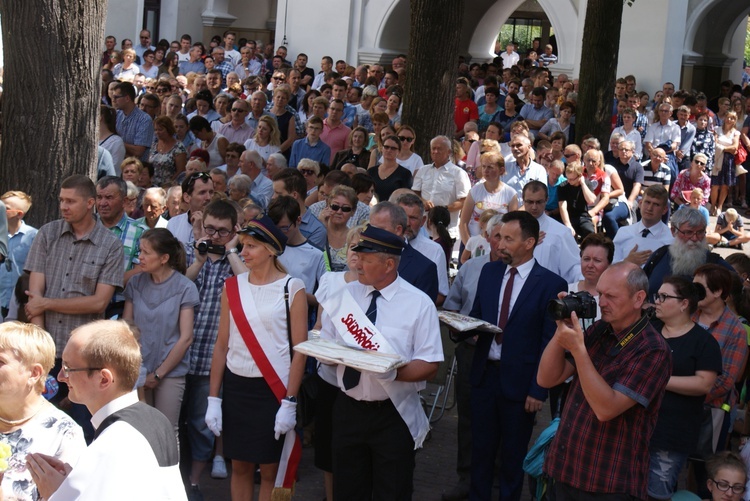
156	376
291	399
233	250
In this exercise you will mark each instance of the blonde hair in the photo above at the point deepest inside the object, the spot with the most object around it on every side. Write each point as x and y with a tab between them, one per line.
574	168
731	215
31	345
25	199
112	344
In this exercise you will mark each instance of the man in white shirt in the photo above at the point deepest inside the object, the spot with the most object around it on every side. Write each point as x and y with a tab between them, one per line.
414	208
443	182
185	43
557	249
510	57
523	169
101	363
197	190
230	54
636	242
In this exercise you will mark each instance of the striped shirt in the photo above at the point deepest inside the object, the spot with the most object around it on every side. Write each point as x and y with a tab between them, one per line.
136	129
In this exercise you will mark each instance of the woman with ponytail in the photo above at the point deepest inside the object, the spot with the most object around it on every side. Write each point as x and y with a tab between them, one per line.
161	301
438	219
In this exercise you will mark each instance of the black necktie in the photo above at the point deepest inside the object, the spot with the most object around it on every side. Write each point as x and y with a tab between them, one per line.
645	233
352	375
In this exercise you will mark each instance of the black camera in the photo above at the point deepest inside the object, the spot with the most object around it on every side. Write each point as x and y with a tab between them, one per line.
206	246
582	303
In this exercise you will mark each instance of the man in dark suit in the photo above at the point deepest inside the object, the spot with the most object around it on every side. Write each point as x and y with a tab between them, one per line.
414	267
512	293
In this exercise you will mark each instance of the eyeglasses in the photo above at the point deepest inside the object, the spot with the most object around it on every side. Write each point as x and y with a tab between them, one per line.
343	208
195	176
660	297
279	78
150	88
307	172
211	231
386	147
691	234
238	110
699	162
67	370
725	486
405	139
568	155
624	149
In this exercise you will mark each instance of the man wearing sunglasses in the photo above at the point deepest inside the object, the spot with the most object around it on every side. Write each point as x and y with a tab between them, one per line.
688	251
197	190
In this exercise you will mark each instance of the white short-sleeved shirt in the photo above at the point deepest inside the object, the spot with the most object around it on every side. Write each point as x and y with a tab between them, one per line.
407	318
442	186
483	200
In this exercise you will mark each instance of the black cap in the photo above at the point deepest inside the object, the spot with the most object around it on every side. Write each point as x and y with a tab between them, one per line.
374	239
266	231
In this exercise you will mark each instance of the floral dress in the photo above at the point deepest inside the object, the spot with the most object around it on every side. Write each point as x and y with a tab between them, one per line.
704	143
164	164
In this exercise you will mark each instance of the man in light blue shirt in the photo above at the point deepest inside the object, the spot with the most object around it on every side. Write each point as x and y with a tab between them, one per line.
535	112
311	146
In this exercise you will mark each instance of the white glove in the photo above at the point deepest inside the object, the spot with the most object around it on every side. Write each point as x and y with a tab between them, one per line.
286	418
213	415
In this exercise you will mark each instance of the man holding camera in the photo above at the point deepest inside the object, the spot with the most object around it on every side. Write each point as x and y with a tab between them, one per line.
622	366
512	293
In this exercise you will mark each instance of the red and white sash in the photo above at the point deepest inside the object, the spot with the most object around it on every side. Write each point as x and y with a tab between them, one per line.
244	314
356	330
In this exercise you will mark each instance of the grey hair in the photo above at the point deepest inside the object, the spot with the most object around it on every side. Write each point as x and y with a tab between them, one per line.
411	200
173	189
637	279
219	172
495	220
443	139
396	214
688	215
241	182
629	144
254	157
106	181
132	189
159	193
279	159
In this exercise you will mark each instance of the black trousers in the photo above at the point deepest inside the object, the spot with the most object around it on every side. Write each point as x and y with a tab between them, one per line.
373	452
565	492
464	356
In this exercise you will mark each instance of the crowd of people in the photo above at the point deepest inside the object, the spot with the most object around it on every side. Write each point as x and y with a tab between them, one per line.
243	200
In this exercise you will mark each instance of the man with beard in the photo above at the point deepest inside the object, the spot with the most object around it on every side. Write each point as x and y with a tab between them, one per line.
688	251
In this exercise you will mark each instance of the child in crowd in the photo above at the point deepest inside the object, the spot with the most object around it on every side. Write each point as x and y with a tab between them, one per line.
730	230
478	245
695	201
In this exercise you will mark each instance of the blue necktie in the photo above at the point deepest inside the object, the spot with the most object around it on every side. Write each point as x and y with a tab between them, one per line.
351	375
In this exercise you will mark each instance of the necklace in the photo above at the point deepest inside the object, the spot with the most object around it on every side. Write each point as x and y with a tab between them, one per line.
22	420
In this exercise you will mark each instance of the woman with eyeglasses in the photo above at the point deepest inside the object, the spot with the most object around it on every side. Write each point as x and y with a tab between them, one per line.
127	69
696	363
406	156
168	155
341	206
389	175
161	301
727	476
690	179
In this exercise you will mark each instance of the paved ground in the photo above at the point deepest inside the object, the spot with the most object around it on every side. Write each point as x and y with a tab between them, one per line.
434	473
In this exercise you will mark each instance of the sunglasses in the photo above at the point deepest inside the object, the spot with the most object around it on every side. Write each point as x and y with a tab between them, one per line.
404	139
239	110
343	208
307	172
700	163
195	176
279	78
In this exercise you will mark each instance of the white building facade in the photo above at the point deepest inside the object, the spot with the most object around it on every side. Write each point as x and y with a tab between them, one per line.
693	43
